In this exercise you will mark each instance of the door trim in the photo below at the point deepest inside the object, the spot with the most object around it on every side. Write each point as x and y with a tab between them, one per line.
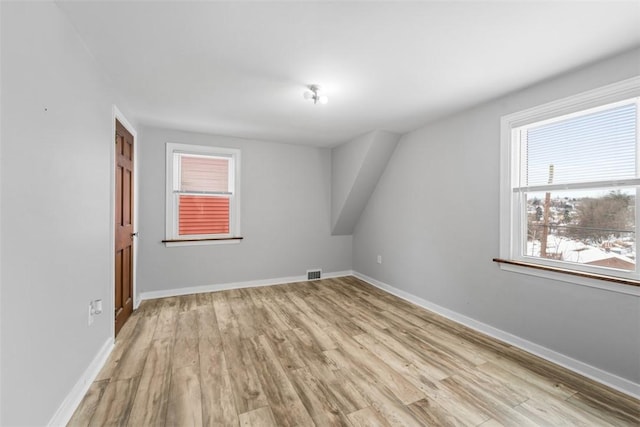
117	115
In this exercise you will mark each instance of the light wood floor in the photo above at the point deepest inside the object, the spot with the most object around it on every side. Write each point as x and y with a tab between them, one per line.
329	352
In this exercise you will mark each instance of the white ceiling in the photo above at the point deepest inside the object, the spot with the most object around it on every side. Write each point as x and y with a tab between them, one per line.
240	68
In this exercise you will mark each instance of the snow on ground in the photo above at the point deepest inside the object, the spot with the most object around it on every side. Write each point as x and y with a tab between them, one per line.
578	252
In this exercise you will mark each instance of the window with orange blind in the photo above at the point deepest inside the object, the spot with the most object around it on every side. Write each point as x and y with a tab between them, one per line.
202	192
203	204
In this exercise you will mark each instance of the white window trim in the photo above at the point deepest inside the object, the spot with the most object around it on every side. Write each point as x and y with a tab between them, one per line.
508	224
171	206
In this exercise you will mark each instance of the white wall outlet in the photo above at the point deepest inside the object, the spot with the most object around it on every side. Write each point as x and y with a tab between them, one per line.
379	259
90	313
97	306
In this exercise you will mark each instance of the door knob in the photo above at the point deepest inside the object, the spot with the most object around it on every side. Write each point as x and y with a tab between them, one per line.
134	234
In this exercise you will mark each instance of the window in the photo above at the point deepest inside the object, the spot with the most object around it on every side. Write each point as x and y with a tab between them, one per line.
203	199
570	173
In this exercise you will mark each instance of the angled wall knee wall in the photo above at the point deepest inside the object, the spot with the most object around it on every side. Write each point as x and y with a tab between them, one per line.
356	168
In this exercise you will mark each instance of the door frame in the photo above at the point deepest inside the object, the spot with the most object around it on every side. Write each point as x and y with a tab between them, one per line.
117	115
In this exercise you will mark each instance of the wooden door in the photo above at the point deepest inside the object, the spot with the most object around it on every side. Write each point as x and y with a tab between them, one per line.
124	226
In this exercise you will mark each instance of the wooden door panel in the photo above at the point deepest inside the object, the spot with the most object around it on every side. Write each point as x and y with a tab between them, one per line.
126	151
118	299
118	199
126	197
127	282
123	226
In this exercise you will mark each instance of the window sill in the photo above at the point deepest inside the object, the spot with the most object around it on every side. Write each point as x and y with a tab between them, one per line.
202	242
610	283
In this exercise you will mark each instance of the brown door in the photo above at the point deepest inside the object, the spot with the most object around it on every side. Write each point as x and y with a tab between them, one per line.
124	226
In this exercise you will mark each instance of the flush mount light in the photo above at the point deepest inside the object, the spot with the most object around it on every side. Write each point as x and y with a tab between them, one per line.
314	94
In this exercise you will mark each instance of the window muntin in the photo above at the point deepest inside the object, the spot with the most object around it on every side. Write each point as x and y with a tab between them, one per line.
202	192
566	160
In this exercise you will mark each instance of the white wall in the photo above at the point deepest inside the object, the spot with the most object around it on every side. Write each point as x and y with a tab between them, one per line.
285	217
55	197
440	192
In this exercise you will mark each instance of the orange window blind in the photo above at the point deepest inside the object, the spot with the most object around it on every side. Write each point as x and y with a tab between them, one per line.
203	215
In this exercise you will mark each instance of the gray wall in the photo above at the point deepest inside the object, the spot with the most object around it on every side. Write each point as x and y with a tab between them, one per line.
346	161
356	167
440	192
55	223
285	217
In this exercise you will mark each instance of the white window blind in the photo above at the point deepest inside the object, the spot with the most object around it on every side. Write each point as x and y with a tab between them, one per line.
204	174
596	146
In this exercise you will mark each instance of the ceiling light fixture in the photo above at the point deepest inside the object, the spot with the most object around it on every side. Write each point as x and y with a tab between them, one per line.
314	94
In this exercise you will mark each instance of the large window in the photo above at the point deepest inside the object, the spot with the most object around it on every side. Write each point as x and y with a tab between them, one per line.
570	173
202	193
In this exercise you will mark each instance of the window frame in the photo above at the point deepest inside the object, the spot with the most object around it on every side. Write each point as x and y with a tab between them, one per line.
172	174
511	211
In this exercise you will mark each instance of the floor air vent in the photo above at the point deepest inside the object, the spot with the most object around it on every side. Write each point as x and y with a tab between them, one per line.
313	274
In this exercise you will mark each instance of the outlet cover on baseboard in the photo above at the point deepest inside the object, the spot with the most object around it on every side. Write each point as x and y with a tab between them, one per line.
314	274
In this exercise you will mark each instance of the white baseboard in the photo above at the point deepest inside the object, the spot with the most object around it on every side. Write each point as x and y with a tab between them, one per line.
604	377
75	396
235	285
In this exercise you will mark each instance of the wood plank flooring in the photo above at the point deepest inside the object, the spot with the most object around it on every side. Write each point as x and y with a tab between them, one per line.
334	352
